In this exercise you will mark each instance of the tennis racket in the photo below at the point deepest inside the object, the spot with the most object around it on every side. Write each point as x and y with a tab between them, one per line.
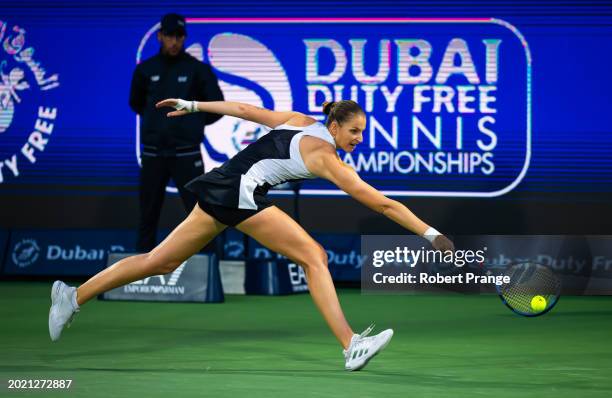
529	283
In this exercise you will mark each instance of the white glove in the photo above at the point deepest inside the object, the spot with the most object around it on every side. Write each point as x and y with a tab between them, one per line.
188	106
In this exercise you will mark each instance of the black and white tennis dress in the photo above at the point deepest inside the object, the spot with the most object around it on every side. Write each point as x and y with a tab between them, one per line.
237	189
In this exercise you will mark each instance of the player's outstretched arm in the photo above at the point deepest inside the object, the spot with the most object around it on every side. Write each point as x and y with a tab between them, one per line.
327	164
244	111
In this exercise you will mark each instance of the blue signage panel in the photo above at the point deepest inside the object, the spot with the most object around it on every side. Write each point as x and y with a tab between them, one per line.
274	277
343	254
195	280
64	252
448	102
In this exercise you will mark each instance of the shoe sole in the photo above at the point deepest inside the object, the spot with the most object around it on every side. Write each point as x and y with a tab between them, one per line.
55	293
370	358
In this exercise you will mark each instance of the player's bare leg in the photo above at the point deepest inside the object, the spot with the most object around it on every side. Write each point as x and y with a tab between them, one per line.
187	239
276	230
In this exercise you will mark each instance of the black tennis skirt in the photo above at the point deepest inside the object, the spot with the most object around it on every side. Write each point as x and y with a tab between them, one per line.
218	195
227	215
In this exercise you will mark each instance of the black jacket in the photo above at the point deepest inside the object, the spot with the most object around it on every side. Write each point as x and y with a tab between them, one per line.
161	77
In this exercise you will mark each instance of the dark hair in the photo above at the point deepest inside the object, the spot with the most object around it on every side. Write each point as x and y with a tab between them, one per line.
341	111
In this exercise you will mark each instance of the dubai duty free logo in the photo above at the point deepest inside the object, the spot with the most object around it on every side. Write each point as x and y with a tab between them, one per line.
448	101
24	88
25	253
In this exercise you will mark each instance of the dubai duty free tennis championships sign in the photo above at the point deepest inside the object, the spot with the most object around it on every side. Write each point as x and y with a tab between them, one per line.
448	101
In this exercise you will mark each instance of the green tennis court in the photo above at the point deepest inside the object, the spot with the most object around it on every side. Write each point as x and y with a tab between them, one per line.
444	346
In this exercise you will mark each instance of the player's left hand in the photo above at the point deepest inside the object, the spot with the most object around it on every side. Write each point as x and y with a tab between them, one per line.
175	103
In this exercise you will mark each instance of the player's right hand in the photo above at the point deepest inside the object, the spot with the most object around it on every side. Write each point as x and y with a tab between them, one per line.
443	244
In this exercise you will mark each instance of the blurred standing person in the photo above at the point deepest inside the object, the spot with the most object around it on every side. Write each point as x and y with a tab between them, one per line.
171	146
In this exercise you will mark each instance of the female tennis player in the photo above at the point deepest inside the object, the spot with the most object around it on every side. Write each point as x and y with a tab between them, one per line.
234	194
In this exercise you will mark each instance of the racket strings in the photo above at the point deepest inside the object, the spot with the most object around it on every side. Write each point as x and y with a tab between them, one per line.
527	281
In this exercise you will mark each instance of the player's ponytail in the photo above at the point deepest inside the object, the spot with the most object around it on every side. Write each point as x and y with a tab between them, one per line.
327	107
341	111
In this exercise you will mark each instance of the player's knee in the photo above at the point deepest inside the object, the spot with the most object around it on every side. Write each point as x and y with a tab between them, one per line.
323	255
316	259
169	266
160	266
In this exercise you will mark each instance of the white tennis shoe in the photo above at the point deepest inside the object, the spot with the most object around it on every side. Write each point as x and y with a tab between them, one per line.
63	308
363	348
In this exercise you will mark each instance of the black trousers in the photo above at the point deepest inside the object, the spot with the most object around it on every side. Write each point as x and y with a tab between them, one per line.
155	174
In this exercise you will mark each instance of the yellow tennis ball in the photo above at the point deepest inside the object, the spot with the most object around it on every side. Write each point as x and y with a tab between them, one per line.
538	303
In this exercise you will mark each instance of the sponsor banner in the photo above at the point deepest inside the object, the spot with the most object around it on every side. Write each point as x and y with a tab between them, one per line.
582	264
195	280
447	102
64	252
274	277
343	254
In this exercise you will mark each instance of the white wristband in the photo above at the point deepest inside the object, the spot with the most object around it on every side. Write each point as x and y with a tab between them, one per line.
189	106
431	234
